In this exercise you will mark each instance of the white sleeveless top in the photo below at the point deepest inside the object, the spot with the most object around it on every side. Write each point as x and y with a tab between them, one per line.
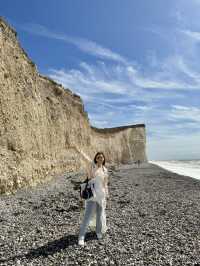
96	183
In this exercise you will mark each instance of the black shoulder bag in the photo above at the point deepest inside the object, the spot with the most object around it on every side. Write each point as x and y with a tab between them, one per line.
87	191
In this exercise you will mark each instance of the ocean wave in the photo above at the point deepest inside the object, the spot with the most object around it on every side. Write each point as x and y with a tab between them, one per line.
183	167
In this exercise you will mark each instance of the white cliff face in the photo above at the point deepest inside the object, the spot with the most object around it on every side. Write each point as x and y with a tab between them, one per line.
43	126
122	144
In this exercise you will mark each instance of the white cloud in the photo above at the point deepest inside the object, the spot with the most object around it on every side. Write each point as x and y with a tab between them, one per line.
192	34
164	79
86	82
120	93
113	97
177	148
83	44
185	113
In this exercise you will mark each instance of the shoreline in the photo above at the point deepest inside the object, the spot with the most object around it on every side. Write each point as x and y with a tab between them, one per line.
152	217
176	168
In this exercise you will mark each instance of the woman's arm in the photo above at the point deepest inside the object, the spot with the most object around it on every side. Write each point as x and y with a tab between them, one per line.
89	171
87	158
88	162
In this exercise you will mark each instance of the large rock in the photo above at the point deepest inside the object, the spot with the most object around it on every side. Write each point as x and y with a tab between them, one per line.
44	130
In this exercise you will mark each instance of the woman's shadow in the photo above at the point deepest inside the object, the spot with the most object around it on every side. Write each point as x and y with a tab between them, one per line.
52	247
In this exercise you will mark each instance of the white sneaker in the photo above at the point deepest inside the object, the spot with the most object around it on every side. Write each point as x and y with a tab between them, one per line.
99	236
81	242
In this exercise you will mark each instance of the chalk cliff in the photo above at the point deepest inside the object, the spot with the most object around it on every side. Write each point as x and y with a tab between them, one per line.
44	130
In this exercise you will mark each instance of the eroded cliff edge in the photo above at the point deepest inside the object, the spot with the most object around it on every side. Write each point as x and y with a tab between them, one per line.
44	130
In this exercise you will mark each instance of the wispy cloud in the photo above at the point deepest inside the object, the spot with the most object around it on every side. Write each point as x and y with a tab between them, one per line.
83	44
120	93
185	113
121	100
166	78
177	147
192	34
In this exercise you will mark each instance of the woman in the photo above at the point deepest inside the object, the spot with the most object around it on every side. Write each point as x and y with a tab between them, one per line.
98	180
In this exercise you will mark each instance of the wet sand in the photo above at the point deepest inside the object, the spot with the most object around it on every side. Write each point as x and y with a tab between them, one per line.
153	217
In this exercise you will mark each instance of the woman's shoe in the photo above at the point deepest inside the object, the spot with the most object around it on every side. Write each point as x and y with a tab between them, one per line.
99	236
81	241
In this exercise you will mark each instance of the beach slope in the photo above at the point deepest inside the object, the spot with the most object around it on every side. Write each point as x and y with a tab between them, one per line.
153	217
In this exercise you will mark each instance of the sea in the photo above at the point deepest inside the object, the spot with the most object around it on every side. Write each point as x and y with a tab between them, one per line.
183	167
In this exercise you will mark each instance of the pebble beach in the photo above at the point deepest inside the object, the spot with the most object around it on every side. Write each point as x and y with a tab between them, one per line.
153	218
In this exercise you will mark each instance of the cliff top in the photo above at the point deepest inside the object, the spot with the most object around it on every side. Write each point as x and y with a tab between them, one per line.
116	129
4	23
6	29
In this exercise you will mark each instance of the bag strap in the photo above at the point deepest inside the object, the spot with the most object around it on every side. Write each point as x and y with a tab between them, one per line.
87	182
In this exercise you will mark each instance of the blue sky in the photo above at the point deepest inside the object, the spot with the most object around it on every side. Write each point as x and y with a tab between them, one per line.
130	61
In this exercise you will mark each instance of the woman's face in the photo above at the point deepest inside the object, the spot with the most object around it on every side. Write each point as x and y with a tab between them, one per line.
100	158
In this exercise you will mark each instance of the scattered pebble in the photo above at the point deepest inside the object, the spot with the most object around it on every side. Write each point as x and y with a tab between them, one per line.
153	218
